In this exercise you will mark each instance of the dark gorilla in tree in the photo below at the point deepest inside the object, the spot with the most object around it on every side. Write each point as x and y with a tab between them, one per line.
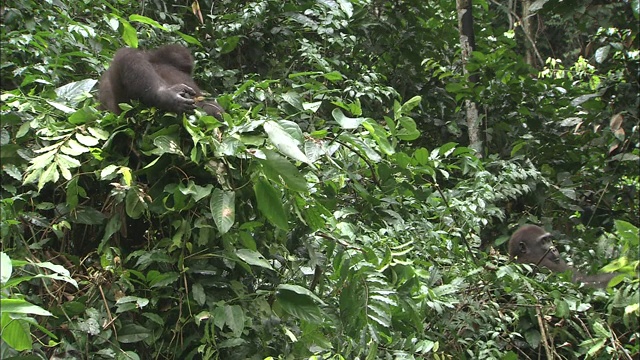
160	78
531	244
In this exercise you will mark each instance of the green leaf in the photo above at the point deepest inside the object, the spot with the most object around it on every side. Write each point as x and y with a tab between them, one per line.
600	330
197	291
293	98
15	333
410	104
50	174
313	106
67	161
62	107
73	308
108	172
533	338
408	130
19	306
6	269
316	216
12	170
197	192
346	6
129	34
562	309
270	203
278	169
64	171
594	345
135	205
422	156
284	141
133	333
86	140
299	303
333	76
126	355
86	216
53	267
223	208
140	302
253	258
345	122
73	148
303	20
189	39
301	291
358	143
234	318
379	135
447	148
98	133
379	315
155	317
355	107
219	317
32	177
453	87
167	144
157	279
228	44
75	91
627	232
113	226
602	53
146	20
42	161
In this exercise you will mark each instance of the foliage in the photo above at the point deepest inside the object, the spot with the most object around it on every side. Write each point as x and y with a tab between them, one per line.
334	212
16	312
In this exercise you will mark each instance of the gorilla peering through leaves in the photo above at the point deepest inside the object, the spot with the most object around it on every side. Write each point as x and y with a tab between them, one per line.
160	78
531	244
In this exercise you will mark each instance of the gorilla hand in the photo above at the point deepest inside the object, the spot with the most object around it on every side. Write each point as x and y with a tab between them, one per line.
179	98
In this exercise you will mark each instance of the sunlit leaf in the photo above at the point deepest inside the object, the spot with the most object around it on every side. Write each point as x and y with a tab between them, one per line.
346	122
19	306
5	268
15	333
284	141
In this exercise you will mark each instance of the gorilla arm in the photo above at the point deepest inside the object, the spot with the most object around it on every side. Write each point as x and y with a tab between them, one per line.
597	280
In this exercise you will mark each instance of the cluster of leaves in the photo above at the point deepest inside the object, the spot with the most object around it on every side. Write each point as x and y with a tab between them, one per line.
317	218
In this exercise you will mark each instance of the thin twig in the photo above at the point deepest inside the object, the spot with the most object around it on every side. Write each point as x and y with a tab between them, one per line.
543	333
111	318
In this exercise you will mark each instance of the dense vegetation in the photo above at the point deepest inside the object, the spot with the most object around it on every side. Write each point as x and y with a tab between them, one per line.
337	211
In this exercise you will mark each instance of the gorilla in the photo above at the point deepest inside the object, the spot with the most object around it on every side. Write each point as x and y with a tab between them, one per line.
531	244
160	78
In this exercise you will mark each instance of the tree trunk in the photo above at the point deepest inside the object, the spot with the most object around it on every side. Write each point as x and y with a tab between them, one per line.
527	28
468	44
